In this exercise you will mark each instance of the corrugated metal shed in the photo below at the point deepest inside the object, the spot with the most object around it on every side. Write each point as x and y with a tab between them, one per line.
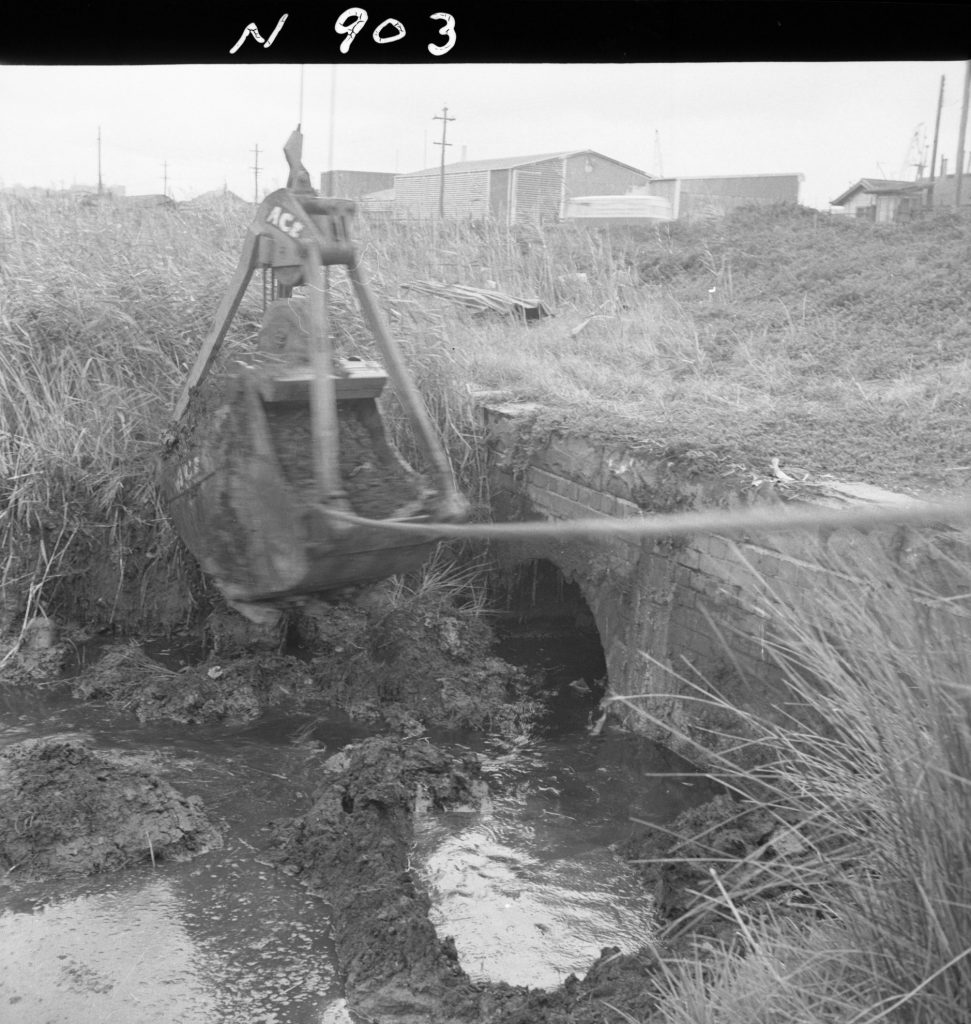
512	189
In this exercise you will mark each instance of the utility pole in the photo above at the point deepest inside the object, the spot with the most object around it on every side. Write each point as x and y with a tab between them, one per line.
444	118
165	178
937	132
962	131
100	187
256	173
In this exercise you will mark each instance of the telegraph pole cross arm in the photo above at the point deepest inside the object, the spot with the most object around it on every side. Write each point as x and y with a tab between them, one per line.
444	118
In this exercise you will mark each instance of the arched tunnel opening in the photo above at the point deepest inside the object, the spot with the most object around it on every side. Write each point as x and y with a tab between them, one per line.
545	625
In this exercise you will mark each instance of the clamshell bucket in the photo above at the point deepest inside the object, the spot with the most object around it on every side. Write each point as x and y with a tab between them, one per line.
278	473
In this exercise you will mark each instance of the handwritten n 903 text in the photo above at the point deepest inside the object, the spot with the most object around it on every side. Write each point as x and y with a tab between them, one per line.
349	25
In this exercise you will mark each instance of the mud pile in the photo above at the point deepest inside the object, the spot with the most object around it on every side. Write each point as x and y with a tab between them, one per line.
234	690
378	484
416	663
65	810
410	663
352	848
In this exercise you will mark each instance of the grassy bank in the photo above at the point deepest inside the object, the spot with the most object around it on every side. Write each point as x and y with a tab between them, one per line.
835	345
855	906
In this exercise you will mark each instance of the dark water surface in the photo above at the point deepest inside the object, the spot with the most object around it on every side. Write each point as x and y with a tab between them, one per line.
527	885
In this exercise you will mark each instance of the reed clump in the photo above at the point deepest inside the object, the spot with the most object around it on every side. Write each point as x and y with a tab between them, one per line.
868	812
103	309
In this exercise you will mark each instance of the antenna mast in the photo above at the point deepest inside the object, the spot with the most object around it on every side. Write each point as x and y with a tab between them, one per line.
100	187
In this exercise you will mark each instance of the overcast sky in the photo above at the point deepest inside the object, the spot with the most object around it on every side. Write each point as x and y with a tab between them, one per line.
832	122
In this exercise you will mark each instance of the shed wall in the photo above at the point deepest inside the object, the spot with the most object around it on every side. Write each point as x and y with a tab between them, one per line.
466	194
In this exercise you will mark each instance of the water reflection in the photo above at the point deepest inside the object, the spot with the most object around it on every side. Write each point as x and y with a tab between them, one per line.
524	904
109	956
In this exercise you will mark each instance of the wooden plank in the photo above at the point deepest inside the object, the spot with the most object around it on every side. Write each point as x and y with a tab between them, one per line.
297	389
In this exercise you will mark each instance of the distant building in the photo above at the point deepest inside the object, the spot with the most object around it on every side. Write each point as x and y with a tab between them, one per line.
514	189
215	198
354	184
882	200
697	198
147	201
106	190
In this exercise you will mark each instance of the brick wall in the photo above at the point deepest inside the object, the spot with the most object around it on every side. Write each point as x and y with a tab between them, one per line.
675	616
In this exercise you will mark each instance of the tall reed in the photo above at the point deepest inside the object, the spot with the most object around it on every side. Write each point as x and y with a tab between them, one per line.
876	803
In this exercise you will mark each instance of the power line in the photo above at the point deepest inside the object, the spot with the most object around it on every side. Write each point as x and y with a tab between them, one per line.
444	118
256	173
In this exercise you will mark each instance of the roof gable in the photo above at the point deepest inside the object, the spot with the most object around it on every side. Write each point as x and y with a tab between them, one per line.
876	186
513	162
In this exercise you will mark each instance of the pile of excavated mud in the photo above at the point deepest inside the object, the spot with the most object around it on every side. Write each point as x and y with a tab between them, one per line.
418	663
352	848
66	810
378	484
234	690
412	664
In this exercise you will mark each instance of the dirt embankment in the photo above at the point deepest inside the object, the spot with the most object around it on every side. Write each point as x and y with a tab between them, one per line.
352	846
66	810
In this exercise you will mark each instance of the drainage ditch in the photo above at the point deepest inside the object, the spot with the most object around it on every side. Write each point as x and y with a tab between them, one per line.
380	851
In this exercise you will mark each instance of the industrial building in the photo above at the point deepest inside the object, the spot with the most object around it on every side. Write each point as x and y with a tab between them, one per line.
513	189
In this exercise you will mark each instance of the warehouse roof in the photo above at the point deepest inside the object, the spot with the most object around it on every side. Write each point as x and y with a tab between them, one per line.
512	162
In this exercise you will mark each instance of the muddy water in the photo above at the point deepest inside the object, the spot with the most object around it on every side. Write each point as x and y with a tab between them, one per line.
526	885
222	938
